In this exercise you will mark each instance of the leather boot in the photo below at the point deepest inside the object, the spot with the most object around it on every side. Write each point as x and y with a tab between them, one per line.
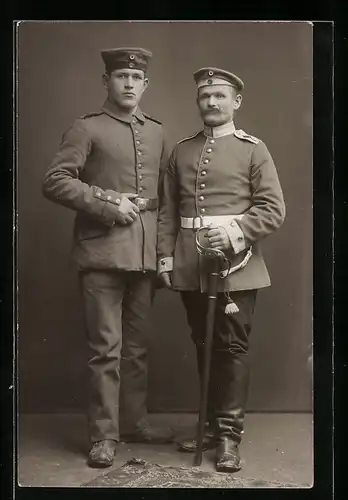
227	456
102	453
232	383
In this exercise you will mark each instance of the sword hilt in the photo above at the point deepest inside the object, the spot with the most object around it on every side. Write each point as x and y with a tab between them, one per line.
207	251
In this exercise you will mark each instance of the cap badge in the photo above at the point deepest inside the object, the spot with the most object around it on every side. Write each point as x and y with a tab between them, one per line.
131	65
209	81
210	73
131	56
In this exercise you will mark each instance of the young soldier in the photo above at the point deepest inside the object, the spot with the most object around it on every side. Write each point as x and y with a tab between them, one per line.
107	170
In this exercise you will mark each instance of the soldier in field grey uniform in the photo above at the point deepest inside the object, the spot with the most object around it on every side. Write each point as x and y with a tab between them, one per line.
224	177
107	169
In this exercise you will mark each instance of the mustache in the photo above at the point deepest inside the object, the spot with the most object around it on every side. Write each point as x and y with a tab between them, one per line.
214	111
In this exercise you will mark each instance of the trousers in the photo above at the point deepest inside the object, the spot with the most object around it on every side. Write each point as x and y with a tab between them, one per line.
230	371
116	305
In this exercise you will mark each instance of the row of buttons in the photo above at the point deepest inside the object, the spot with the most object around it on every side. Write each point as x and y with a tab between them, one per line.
204	173
139	154
98	194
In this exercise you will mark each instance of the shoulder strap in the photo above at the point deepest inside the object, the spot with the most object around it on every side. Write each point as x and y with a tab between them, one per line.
188	138
247	137
89	115
152	119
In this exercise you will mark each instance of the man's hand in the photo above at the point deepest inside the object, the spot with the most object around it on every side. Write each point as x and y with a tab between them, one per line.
166	278
127	210
218	238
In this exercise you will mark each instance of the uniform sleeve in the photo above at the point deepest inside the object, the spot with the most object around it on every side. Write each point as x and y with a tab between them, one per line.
168	217
62	183
267	211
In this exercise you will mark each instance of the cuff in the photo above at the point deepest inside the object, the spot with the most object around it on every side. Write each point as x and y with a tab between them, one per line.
111	201
165	265
236	236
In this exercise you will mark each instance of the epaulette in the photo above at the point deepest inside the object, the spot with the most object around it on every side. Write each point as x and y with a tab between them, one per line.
93	113
152	119
243	135
188	138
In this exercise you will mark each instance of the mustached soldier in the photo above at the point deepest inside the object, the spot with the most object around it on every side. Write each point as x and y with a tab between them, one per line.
225	178
107	169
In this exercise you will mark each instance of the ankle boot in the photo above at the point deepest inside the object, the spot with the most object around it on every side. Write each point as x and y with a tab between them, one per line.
102	453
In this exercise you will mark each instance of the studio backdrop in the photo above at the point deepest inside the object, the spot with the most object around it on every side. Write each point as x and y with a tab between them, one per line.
59	79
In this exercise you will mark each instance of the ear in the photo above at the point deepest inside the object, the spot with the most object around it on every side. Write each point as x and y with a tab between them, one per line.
146	84
237	101
105	80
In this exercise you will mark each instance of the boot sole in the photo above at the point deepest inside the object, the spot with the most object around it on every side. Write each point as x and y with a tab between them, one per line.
99	465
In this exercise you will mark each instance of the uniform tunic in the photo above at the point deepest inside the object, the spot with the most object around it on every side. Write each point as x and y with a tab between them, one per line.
230	174
101	156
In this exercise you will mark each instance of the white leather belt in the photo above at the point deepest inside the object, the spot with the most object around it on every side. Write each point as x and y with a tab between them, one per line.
196	222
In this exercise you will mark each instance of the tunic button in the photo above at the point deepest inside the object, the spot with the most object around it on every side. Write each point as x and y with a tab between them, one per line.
205	160
204	172
209	150
201	198
140	165
202	210
137	142
117	201
134	121
140	189
136	131
211	141
202	186
140	177
139	153
97	193
108	198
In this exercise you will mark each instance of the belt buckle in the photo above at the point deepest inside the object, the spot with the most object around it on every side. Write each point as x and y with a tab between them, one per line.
200	220
141	203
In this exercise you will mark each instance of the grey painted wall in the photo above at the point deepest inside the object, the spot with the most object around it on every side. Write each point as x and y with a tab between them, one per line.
59	79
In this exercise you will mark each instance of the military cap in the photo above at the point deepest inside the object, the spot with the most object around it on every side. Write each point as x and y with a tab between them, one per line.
215	76
126	57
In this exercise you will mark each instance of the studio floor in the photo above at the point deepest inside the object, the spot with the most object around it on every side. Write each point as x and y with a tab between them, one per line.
52	449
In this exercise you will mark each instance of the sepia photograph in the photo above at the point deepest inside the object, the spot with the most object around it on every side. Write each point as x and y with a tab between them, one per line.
165	254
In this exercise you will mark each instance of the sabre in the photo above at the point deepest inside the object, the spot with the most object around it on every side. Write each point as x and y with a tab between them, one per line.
216	261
